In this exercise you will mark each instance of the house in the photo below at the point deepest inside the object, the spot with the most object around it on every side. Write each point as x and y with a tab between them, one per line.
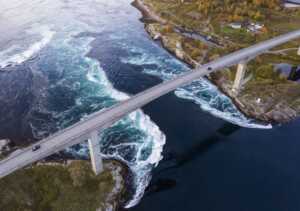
255	27
236	25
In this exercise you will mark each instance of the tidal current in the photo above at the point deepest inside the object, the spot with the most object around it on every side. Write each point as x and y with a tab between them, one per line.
72	58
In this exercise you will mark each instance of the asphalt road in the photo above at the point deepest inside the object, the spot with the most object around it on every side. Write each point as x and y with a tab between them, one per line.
103	119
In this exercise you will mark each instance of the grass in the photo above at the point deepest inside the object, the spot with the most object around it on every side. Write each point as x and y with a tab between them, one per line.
56	188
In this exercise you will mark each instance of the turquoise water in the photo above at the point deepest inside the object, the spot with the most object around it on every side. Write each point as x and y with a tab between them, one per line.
59	35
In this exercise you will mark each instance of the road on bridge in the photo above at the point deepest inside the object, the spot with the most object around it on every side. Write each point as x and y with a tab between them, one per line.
103	119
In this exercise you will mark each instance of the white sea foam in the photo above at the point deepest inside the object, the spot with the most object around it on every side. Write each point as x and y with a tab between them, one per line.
201	91
145	141
153	140
17	55
230	115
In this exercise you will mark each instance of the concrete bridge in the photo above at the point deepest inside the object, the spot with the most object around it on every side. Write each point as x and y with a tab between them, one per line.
89	128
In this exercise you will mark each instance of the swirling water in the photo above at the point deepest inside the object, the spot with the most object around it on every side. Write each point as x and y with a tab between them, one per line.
77	85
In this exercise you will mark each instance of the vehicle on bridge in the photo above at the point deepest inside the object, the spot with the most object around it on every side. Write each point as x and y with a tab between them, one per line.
36	148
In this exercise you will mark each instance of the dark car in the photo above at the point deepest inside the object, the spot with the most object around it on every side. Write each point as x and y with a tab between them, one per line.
36	147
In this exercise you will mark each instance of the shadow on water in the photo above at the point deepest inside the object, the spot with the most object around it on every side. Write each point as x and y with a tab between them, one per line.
175	161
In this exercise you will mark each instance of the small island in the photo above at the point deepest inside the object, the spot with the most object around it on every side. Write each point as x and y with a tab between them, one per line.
199	31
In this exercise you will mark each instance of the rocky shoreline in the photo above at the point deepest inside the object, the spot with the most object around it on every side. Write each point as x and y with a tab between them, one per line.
110	184
248	103
148	14
118	172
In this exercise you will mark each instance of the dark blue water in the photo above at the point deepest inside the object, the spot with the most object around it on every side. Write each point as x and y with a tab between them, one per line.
210	164
228	168
211	160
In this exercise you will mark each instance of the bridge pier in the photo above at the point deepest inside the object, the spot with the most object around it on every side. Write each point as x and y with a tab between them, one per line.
239	77
95	153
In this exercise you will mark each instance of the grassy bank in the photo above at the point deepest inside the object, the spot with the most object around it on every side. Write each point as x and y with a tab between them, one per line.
59	187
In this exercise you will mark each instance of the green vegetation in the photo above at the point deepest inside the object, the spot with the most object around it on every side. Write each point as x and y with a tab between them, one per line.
267	95
212	17
232	10
57	188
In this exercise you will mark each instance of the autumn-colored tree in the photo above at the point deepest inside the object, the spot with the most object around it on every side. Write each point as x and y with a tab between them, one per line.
237	10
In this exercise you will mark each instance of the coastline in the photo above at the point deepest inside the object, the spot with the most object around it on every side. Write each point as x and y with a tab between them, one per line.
148	15
111	183
119	172
279	114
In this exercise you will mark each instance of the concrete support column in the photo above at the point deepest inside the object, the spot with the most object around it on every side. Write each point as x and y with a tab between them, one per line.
240	74
298	52
95	154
